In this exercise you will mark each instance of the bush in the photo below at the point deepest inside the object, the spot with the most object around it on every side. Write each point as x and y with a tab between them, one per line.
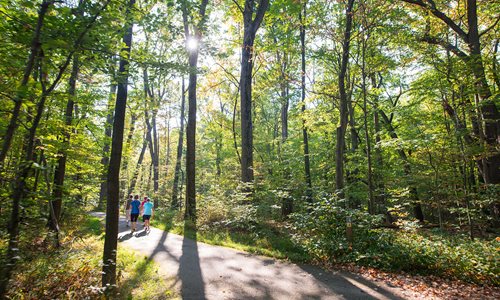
322	234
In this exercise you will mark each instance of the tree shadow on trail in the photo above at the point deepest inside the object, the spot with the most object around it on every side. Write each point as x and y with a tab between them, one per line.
190	274
124	234
350	285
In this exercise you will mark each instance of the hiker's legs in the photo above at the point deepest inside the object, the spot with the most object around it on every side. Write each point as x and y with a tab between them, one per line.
146	221
133	218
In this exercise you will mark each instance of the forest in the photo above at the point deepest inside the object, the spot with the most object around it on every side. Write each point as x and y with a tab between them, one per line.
341	133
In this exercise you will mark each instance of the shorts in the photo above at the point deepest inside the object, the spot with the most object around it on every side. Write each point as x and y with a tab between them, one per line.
127	214
134	217
146	217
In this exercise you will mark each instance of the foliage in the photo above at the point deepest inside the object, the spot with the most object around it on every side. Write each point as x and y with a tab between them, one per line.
323	234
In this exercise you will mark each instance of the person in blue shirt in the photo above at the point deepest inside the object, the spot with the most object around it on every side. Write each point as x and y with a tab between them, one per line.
148	212
134	212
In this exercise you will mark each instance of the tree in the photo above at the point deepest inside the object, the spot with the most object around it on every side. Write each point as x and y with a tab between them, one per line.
250	26
175	188
305	136
193	38
341	130
113	180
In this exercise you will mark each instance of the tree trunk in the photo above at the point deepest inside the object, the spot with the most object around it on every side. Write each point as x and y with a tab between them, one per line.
108	127
190	212
128	142
369	175
339	176
175	189
250	27
133	182
113	180
305	137
60	170
380	198
152	135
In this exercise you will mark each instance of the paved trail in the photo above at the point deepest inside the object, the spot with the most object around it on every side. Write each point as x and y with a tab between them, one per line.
202	271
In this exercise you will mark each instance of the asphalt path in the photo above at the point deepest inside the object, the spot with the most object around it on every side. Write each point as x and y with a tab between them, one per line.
197	270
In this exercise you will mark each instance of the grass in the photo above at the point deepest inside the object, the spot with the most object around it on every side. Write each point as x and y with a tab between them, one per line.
73	271
269	240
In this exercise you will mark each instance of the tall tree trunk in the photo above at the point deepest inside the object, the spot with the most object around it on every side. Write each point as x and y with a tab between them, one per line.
305	137
133	181
152	134
369	175
168	149
250	27
156	160
35	48
128	142
60	170
113	201
218	143
190	212
108	128
380	199
175	189
341	130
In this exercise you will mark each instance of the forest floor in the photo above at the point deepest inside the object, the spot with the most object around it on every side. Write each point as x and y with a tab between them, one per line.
200	271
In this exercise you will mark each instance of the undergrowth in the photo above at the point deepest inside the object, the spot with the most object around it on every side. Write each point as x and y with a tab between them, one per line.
73	270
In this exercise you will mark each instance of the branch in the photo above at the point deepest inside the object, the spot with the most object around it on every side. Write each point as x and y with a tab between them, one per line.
445	45
238	5
235	81
203	9
263	6
431	6
491	27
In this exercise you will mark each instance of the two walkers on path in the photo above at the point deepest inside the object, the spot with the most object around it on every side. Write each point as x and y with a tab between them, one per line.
134	208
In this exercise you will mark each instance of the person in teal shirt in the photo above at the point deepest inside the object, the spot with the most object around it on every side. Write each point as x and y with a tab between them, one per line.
148	212
134	212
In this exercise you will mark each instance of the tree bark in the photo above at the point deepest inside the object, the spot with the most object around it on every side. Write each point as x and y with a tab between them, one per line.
250	27
190	212
175	189
305	137
133	182
60	170
113	180
108	128
152	134
369	175
341	130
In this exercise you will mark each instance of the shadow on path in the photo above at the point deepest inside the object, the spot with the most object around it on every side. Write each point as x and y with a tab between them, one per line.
349	285
190	274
